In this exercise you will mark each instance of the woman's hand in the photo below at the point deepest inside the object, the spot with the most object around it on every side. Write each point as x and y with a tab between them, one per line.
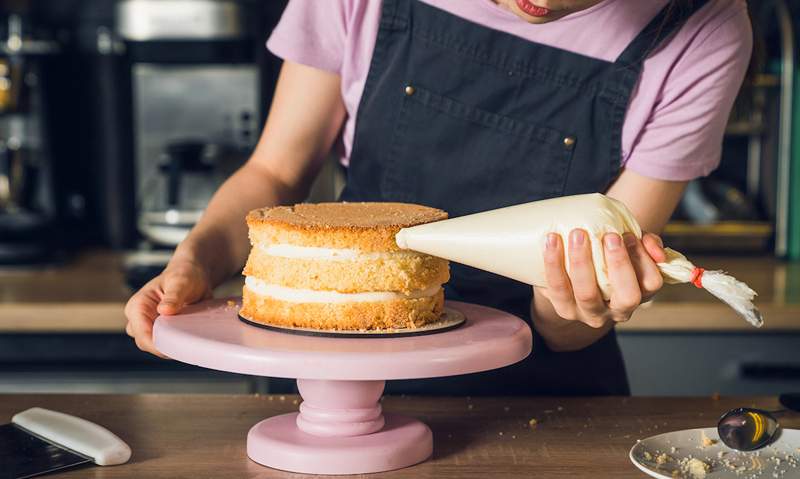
632	271
182	282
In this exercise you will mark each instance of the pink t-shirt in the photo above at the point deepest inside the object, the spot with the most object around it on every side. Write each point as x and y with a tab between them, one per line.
678	112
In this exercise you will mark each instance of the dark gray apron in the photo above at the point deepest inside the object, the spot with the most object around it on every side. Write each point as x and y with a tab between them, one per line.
464	118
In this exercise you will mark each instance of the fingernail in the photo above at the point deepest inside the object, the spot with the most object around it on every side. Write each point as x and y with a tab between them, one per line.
630	239
552	241
577	237
660	241
613	241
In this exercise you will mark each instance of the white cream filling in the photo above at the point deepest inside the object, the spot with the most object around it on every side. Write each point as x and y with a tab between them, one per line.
330	254
296	295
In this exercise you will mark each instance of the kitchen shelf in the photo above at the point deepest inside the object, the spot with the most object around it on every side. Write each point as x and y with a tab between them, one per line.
744	128
88	295
732	237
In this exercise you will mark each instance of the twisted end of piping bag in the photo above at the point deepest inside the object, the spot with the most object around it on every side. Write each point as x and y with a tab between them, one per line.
729	290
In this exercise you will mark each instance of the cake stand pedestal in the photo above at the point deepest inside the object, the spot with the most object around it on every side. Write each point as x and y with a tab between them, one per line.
341	427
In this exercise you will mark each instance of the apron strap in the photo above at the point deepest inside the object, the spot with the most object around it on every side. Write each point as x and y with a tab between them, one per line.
668	21
394	14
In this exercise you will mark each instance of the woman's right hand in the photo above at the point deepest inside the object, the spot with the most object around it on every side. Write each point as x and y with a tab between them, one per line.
182	282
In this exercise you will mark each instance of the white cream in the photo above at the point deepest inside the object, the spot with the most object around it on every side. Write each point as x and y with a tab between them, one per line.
329	254
296	295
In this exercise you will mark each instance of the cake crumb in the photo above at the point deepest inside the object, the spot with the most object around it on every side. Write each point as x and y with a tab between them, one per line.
533	423
559	409
706	441
513	436
500	433
231	303
506	409
470	406
696	468
295	402
282	398
662	459
648	456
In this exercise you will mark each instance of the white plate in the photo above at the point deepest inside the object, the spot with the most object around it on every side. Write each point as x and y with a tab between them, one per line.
779	460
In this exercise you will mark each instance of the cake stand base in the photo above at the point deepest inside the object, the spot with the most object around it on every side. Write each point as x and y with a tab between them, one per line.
277	442
341	427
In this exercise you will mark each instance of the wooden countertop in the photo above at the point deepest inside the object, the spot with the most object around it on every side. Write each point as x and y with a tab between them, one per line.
180	436
88	294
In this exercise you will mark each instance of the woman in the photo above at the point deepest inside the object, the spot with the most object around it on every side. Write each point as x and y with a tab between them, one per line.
472	105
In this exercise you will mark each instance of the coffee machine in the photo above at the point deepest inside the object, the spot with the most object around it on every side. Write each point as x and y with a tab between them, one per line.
28	210
181	88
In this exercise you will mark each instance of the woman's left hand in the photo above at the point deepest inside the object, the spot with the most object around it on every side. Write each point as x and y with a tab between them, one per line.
632	271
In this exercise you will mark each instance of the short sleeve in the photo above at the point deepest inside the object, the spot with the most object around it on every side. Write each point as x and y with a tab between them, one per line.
312	33
682	139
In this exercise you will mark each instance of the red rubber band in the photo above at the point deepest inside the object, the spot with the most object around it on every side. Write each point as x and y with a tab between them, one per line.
697	277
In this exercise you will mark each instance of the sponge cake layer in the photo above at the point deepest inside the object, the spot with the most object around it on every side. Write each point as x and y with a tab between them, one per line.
361	226
337	266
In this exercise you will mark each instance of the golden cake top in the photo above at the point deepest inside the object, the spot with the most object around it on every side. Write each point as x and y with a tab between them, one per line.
363	226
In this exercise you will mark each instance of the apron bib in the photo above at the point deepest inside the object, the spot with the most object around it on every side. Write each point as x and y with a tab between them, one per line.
464	118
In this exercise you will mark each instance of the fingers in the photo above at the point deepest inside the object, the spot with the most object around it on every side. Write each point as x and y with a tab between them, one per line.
627	294
647	272
588	298
632	272
141	312
559	289
175	288
179	288
181	285
654	247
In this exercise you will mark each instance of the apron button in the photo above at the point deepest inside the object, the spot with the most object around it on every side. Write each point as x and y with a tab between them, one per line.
410	90
569	141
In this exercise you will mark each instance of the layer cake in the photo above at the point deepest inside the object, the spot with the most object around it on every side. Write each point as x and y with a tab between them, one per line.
337	266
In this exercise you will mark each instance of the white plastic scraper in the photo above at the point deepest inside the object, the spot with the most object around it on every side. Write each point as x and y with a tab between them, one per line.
38	441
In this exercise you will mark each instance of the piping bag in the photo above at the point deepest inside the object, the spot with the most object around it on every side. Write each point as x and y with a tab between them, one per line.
510	241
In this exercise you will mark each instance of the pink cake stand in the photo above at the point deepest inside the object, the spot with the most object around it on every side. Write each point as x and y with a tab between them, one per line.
340	428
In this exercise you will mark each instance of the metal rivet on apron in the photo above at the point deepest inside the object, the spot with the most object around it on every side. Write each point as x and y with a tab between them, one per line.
410	90
569	141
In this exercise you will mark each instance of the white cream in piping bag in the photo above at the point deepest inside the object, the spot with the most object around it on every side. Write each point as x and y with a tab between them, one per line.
510	242
330	254
296	295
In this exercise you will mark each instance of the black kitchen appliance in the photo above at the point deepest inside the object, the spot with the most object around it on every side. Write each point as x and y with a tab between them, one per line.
28	207
181	89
